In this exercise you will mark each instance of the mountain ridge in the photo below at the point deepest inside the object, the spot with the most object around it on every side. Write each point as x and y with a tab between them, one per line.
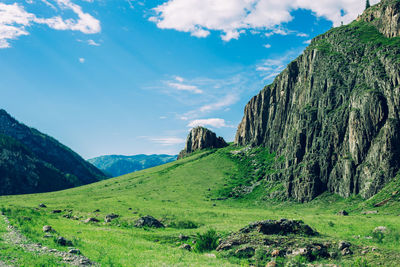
45	157
117	165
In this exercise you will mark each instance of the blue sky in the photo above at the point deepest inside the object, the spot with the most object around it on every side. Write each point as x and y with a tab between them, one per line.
130	77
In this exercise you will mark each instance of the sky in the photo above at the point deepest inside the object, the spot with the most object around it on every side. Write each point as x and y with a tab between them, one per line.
134	76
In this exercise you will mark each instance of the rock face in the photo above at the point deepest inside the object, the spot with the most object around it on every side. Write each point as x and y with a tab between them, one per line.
385	16
201	138
32	162
333	113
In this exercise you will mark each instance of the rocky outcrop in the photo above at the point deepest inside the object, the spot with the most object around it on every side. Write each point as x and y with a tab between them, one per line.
201	138
385	16
333	113
32	162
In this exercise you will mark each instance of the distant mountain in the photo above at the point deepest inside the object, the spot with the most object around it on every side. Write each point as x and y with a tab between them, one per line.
32	162
117	165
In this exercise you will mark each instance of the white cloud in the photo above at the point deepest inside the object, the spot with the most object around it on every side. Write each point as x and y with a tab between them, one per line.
179	79
14	21
307	42
82	60
301	34
267	46
217	123
185	87
227	101
168	141
234	17
93	43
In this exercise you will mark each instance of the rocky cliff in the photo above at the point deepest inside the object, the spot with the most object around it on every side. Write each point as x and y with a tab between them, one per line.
333	113
201	138
46	154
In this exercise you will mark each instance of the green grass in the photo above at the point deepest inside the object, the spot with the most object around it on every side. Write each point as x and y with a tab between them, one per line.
180	195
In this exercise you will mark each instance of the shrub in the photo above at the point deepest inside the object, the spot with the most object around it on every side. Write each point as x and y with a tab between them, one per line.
331	224
378	236
207	241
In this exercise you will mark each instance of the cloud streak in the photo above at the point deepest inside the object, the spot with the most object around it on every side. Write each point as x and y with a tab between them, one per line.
215	122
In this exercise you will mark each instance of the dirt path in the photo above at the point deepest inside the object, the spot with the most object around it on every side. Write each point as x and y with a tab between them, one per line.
14	237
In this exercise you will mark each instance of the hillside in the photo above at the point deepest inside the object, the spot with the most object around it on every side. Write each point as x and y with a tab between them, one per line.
184	195
117	165
33	162
333	113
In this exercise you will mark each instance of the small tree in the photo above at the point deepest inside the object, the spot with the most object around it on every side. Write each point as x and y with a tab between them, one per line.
367	4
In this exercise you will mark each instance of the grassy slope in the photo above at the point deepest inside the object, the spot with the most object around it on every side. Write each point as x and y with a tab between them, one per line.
179	192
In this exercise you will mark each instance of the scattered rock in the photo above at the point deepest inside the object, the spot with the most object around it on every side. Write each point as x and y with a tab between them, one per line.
343	245
381	229
91	220
395	193
343	213
48	229
346	251
110	217
97	210
271	264
56	211
275	253
74	251
63	242
42	205
47	236
210	255
148	221
370	212
186	246
364	252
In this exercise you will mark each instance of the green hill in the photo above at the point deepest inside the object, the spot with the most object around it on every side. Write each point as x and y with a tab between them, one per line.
183	195
33	162
117	165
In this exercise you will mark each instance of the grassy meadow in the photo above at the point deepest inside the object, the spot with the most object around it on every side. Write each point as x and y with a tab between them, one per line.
183	196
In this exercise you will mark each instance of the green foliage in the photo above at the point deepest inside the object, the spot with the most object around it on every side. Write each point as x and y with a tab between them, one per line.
331	224
207	241
184	224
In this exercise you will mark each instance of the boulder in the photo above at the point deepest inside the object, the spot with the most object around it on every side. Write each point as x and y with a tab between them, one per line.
110	217
343	244
281	227
186	247
48	229
74	251
91	220
56	211
42	205
63	242
148	221
343	213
